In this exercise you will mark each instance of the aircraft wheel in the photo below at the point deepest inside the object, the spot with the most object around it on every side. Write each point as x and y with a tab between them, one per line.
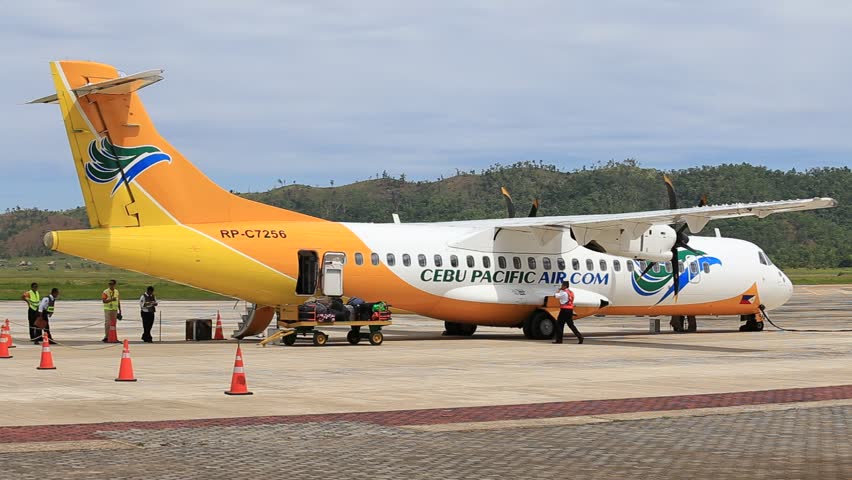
758	326
542	325
459	329
353	337
677	323
527	330
320	339
289	340
376	338
691	324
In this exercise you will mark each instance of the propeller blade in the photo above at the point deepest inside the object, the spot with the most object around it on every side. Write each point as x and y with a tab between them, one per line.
510	205
703	201
675	272
671	191
534	209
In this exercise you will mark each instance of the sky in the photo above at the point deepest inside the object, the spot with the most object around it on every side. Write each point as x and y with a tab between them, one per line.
319	91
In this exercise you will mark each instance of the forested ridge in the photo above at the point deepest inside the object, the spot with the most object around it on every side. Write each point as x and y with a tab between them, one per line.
806	239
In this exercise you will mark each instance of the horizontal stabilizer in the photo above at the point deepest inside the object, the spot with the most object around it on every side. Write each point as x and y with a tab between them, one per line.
116	86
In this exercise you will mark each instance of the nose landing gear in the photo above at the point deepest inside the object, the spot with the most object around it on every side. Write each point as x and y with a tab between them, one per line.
751	323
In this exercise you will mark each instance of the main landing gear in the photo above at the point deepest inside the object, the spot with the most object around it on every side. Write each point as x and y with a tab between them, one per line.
684	324
454	329
540	326
751	323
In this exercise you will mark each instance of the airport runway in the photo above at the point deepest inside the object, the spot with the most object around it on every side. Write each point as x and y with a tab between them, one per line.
718	404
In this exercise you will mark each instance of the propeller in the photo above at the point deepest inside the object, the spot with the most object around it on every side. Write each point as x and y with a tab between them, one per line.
681	238
510	204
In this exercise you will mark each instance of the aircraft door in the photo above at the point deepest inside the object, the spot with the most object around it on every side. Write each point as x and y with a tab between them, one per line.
306	284
332	274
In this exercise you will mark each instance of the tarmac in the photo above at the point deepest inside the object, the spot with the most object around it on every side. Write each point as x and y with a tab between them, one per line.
717	403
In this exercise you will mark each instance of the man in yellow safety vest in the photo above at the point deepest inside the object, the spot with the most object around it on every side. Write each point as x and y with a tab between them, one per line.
32	297
45	311
112	307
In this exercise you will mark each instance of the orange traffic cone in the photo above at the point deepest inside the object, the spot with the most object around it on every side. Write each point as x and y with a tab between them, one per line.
219	335
125	370
4	346
238	379
6	332
112	337
46	356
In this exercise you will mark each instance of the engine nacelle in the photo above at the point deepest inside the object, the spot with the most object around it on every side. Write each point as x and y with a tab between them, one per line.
654	243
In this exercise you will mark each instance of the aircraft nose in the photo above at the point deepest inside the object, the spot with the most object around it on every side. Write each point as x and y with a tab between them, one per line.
776	293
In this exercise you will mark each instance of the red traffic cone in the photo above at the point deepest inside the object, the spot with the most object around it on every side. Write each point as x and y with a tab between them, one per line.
238	379
6	332
219	335
46	356
112	337
125	370
4	346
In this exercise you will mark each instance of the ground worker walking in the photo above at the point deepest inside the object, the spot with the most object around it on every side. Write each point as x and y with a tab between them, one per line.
33	298
566	314
112	307
45	311
148	304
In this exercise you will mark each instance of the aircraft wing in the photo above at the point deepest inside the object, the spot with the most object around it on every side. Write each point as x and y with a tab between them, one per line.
695	217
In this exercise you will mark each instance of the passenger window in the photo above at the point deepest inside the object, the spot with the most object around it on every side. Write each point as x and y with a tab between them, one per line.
545	263
391	260
470	261
531	263
438	261
656	268
642	266
693	268
668	267
603	265
679	267
486	262
454	260
516	261
616	265
707	268
406	259
421	260
560	264
359	259
374	258
501	262
590	265
575	264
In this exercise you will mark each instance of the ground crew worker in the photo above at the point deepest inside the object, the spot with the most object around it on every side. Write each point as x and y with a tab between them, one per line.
112	307
148	304
45	311
33	298
566	313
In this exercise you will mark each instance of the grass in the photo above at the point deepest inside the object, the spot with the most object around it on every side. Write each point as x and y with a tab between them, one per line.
85	280
820	276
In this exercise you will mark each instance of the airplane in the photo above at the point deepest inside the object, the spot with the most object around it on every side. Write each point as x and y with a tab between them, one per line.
152	211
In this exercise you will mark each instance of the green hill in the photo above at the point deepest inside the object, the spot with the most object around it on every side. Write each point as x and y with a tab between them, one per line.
819	239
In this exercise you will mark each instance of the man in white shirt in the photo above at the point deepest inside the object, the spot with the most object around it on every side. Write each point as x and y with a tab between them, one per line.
148	305
566	313
45	311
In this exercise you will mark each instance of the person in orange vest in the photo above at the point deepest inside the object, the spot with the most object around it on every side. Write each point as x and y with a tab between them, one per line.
33	298
566	313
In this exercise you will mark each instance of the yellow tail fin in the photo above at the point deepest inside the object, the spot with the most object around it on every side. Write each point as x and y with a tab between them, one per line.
130	176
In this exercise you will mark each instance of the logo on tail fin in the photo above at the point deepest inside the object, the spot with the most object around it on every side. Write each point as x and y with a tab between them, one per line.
107	161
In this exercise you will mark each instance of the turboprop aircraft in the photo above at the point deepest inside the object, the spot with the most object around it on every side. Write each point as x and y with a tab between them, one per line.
152	211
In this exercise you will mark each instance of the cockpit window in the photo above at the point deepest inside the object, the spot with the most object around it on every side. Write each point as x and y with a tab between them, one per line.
762	258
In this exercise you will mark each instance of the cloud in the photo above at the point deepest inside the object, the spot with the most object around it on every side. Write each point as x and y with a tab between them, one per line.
317	90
